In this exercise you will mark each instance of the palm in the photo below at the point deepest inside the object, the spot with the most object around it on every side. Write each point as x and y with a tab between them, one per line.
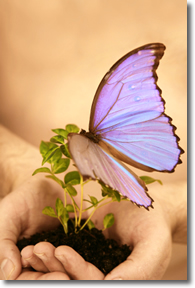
148	233
24	206
30	275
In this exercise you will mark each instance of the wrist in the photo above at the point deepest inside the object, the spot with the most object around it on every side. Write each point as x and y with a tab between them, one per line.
179	232
18	160
172	198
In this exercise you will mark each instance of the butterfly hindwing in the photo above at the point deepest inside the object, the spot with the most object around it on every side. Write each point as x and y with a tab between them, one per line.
93	162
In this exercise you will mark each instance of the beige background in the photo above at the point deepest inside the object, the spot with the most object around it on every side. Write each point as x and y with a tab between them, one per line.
55	52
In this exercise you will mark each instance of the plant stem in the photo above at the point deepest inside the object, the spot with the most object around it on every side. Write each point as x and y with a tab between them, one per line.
89	217
106	203
87	181
75	212
65	198
74	206
106	197
95	208
81	205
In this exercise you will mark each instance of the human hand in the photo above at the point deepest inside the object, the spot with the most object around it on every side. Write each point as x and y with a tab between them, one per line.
149	233
20	214
44	257
20	217
20	210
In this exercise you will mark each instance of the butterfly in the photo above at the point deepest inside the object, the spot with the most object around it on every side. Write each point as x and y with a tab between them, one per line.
128	124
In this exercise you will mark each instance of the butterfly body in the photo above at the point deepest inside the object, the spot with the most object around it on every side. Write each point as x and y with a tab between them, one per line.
93	137
128	124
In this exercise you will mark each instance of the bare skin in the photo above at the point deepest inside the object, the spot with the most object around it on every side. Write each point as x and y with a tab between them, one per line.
51	62
149	233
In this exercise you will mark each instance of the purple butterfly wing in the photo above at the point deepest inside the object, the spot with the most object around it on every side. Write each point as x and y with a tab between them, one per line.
128	113
93	162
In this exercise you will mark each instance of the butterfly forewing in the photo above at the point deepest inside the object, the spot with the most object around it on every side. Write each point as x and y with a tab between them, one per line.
93	162
132	73
128	113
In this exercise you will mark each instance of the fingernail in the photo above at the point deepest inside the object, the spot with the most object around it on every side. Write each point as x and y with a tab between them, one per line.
62	258
117	278
39	254
42	256
7	267
27	259
59	256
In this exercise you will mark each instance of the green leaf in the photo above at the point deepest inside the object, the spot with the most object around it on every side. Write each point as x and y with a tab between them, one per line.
71	190
116	196
71	128
64	216
149	180
57	139
59	207
108	220
61	132
49	211
45	147
65	151
86	200
49	154
90	225
56	156
69	208
94	200
61	166
42	170
72	178
56	180
107	191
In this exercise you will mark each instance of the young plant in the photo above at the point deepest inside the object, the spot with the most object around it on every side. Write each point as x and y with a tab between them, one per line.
55	152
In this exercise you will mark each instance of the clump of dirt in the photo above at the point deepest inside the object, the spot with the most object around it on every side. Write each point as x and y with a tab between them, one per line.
104	253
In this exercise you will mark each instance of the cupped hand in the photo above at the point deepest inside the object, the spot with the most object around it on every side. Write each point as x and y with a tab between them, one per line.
149	235
44	257
147	232
21	216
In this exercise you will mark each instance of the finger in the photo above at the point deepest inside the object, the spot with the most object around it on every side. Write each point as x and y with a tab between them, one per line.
76	267
45	251
31	275
148	261
29	259
10	260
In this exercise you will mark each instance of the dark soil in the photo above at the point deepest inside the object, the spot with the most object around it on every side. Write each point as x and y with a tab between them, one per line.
104	253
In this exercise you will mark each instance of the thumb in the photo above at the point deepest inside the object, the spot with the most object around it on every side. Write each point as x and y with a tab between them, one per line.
10	260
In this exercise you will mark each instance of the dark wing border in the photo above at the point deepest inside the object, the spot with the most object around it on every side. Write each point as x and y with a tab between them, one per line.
159	52
159	47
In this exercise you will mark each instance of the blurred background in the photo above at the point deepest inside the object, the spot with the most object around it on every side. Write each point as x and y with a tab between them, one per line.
54	53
